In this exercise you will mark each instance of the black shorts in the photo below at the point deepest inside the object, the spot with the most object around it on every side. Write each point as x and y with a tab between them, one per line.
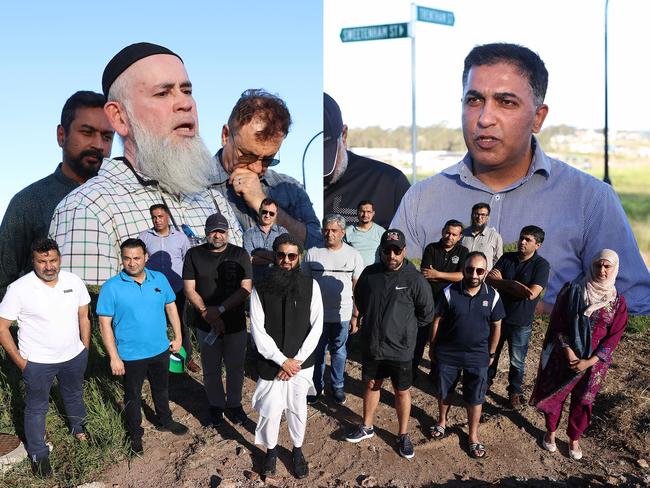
400	372
475	383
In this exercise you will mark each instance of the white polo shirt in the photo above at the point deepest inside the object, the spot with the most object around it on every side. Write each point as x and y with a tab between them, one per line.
48	317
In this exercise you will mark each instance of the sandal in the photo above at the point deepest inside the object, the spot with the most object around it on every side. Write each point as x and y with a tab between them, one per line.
437	431
477	450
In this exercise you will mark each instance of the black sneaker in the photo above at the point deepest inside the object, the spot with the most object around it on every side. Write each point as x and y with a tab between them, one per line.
405	446
300	467
136	446
339	396
269	464
237	416
313	399
174	427
41	468
360	434
216	417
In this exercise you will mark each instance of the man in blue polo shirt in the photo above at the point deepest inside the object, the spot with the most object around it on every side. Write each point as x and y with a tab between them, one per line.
464	336
133	309
520	277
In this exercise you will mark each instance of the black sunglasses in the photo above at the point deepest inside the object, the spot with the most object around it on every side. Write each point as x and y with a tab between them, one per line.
479	271
249	158
291	256
268	212
395	250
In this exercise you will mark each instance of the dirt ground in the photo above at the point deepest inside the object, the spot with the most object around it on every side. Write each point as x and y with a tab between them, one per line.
616	445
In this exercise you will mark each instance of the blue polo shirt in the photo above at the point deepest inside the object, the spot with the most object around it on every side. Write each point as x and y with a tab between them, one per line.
138	313
464	329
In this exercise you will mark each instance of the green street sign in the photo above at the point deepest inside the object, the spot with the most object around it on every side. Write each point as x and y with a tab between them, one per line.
435	16
374	32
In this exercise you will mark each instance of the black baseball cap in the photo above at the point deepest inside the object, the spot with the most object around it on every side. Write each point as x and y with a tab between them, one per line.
332	128
214	222
393	237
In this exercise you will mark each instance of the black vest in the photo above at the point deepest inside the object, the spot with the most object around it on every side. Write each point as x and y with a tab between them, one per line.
286	320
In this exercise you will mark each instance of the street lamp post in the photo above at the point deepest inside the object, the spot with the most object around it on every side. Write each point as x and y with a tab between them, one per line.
606	130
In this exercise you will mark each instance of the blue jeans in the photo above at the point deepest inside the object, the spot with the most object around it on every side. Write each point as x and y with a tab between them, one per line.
518	337
334	337
38	379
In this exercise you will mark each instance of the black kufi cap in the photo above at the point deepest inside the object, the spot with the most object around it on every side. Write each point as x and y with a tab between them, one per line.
126	57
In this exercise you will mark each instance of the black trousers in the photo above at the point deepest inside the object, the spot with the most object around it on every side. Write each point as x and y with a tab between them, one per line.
185	330
156	370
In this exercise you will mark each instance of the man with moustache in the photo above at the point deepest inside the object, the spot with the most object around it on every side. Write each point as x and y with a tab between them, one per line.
286	324
150	105
441	265
258	239
51	309
217	280
256	128
85	137
393	301
464	338
133	308
365	235
480	237
503	107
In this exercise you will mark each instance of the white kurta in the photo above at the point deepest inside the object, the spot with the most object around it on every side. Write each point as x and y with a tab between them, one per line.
271	398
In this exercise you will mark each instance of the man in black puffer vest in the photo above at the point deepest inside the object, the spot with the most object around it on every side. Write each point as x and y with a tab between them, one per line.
286	323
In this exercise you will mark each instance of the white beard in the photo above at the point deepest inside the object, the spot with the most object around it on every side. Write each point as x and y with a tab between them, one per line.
179	167
340	168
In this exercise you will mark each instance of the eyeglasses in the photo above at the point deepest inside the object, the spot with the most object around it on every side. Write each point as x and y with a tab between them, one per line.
291	256
479	271
481	215
395	250
268	212
244	159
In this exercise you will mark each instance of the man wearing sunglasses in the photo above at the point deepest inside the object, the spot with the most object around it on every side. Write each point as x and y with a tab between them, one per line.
250	141
464	338
520	277
286	324
258	239
393	301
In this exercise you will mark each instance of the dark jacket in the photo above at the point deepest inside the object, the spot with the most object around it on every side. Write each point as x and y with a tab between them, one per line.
392	305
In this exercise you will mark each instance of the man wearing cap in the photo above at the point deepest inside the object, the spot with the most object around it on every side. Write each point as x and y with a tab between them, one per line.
286	324
251	140
350	178
150	105
217	279
393	301
133	309
50	307
167	247
85	137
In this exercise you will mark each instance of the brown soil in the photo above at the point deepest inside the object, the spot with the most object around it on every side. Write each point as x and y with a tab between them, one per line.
616	445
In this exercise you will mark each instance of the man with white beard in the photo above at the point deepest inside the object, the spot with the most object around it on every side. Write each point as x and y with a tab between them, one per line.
150	106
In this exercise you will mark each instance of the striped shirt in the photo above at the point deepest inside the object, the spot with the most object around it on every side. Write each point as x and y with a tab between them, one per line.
488	241
91	222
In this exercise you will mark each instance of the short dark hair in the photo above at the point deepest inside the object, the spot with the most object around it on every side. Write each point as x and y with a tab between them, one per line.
159	206
480	205
474	254
453	223
527	62
532	230
365	202
132	243
271	109
45	245
268	201
80	99
287	239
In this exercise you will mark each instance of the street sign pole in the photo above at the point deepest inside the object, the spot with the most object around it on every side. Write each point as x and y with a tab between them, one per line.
414	127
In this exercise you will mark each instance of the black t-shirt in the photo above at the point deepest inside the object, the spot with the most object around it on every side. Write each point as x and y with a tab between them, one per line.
533	271
464	329
451	261
218	275
366	179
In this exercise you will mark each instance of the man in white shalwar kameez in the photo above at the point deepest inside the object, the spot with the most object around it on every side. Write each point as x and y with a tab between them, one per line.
286	323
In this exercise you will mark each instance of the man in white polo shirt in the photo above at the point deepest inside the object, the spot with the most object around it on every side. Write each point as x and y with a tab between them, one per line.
51	307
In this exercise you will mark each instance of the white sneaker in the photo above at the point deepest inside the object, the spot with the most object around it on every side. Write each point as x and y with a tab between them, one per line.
549	446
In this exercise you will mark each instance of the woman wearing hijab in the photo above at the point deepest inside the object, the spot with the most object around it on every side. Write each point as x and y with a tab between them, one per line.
586	325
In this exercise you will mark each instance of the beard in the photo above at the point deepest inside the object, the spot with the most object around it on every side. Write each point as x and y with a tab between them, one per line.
178	167
479	227
282	282
81	169
339	169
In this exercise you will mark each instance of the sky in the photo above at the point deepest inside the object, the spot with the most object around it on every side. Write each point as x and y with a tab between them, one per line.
49	50
371	80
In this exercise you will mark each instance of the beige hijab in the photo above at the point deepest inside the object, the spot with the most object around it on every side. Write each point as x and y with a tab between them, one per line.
599	294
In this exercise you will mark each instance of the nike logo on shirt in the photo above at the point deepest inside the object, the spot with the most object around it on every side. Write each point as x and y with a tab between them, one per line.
401	287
